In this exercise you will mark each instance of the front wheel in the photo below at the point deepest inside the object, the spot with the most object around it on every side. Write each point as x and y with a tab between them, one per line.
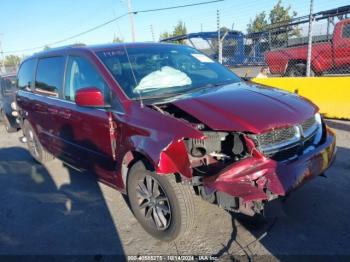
163	207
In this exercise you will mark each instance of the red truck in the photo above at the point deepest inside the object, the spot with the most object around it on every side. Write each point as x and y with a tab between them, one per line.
333	55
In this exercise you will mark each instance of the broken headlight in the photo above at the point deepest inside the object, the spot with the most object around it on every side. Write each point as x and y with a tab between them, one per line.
221	145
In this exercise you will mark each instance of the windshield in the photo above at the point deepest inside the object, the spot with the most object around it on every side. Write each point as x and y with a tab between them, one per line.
163	70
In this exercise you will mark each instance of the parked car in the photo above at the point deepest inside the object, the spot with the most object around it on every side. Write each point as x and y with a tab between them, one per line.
161	122
8	113
333	55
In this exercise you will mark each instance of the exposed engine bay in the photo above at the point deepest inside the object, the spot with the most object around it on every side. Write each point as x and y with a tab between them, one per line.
217	149
237	170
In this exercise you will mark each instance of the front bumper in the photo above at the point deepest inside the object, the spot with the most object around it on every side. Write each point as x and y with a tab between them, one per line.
257	179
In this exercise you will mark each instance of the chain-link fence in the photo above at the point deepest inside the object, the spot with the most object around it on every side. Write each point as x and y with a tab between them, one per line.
320	41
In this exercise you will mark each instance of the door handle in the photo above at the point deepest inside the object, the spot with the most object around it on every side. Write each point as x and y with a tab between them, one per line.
65	114
40	108
52	111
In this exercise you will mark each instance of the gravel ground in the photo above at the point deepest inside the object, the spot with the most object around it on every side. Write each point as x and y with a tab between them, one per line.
56	210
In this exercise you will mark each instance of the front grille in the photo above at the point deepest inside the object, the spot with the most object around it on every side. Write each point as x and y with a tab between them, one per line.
276	136
309	126
285	143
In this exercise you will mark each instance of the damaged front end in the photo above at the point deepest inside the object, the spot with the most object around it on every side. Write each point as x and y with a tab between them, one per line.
241	171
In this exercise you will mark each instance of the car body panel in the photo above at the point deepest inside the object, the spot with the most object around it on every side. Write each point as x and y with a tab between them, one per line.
84	137
325	56
247	107
278	177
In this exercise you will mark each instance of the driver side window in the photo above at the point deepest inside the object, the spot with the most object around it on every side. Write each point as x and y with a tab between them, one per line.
81	74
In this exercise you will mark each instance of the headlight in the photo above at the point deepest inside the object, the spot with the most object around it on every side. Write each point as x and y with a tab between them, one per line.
14	106
318	136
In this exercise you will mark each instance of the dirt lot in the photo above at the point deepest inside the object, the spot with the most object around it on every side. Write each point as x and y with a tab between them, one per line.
56	210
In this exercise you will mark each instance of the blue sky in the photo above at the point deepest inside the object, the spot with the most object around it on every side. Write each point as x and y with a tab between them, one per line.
30	23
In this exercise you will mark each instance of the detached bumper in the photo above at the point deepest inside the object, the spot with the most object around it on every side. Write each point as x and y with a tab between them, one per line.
255	179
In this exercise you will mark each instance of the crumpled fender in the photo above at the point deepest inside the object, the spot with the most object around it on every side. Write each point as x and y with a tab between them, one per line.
174	159
158	137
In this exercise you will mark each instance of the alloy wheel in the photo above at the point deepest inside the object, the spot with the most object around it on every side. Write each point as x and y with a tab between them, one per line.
153	202
33	143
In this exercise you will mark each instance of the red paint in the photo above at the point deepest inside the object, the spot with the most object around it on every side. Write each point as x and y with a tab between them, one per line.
225	108
239	178
325	56
84	136
175	159
89	97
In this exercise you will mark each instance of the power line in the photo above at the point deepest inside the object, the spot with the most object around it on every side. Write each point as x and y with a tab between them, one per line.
178	6
69	38
109	22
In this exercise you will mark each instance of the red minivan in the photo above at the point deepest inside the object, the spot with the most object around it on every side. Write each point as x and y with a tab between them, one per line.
162	122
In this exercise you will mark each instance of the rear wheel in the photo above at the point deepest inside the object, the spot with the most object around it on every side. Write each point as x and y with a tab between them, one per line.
297	70
34	146
163	207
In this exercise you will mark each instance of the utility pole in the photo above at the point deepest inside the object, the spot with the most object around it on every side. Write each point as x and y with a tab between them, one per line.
309	47
152	33
131	19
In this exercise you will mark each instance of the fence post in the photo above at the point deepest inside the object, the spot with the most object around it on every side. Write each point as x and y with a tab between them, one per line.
309	47
219	37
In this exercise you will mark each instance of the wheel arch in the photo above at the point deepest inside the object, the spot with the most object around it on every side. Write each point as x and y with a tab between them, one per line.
166	158
292	62
129	159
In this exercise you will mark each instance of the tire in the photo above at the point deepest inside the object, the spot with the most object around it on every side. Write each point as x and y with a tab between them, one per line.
171	202
34	146
297	70
6	123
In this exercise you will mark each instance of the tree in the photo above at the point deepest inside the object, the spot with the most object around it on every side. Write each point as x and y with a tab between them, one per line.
46	47
258	24
179	29
280	17
280	14
12	60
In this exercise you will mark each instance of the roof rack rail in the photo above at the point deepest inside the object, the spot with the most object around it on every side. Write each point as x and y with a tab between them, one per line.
61	47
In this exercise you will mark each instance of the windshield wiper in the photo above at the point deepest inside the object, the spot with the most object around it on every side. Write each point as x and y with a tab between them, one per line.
157	97
210	85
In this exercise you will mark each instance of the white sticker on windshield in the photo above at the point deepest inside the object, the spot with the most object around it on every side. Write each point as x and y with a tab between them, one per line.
202	58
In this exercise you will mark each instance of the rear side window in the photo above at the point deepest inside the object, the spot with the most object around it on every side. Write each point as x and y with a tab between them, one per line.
81	74
49	76
346	31
25	75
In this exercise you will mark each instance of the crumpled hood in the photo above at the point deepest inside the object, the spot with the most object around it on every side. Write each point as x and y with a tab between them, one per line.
246	107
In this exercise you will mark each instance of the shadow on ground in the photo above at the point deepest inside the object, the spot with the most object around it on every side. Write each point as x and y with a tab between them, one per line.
313	220
39	217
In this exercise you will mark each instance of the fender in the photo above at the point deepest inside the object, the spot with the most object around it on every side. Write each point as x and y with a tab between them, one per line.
174	159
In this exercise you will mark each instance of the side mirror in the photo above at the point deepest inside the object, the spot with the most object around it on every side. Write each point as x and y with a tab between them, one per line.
90	97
